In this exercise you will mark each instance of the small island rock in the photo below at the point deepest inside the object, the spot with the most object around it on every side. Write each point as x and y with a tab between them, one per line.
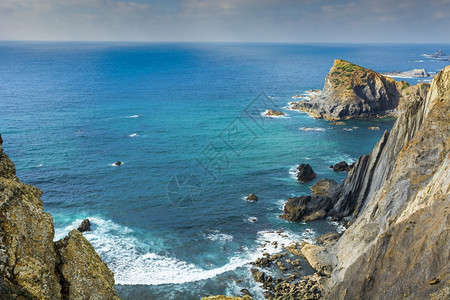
272	112
305	173
252	197
84	226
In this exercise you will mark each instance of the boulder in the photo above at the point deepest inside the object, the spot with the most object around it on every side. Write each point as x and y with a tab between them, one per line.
252	197
307	208
272	112
341	166
305	173
84	226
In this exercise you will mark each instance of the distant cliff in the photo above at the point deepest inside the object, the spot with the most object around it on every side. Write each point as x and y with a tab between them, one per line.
32	266
351	91
397	202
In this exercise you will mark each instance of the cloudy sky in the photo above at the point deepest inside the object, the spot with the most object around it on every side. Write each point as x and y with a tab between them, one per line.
417	21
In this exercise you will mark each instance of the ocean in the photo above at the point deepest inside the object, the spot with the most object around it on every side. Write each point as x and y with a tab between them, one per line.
185	119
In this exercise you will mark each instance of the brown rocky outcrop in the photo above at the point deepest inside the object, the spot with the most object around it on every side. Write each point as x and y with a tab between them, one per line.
401	235
351	91
31	264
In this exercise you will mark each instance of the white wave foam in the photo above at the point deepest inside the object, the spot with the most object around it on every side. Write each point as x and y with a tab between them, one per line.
133	263
114	164
312	129
251	219
134	116
264	114
338	226
218	236
293	172
134	135
308	235
39	165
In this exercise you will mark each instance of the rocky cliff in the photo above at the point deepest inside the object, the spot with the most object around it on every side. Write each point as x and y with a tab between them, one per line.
397	200
32	266
351	91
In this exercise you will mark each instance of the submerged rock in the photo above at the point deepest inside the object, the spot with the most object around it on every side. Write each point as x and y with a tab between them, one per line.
305	173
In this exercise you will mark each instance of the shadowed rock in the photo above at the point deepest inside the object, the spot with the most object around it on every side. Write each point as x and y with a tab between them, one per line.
307	208
84	226
305	173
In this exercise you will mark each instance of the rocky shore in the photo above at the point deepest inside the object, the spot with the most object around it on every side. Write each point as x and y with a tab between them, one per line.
351	91
32	266
395	203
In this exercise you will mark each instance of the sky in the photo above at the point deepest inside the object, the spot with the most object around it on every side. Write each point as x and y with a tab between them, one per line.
291	21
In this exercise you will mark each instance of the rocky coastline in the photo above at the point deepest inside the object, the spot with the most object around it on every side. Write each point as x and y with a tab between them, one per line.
395	204
351	92
32	265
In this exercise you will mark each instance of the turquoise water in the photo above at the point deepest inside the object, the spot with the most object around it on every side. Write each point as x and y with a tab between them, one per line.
185	119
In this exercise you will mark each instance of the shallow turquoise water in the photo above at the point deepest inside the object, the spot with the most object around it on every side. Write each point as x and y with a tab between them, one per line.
185	120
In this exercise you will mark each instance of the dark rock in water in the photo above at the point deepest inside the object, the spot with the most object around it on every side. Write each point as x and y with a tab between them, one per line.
1	140
305	173
272	112
307	208
118	163
325	187
258	276
252	197
341	166
84	226
246	292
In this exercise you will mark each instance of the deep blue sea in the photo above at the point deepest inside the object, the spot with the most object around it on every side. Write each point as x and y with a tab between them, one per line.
185	119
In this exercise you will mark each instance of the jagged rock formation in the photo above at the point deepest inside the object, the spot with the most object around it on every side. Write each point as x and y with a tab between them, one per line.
305	173
307	208
31	264
398	202
351	91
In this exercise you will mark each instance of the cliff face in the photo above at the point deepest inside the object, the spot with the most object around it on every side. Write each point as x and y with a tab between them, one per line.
399	198
31	264
351	91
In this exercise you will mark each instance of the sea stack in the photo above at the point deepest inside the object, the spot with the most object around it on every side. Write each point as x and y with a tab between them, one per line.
351	91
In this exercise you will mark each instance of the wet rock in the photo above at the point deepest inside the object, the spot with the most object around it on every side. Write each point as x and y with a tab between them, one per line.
84	226
246	292
341	166
252	197
374	128
305	173
258	276
274	113
307	208
118	163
